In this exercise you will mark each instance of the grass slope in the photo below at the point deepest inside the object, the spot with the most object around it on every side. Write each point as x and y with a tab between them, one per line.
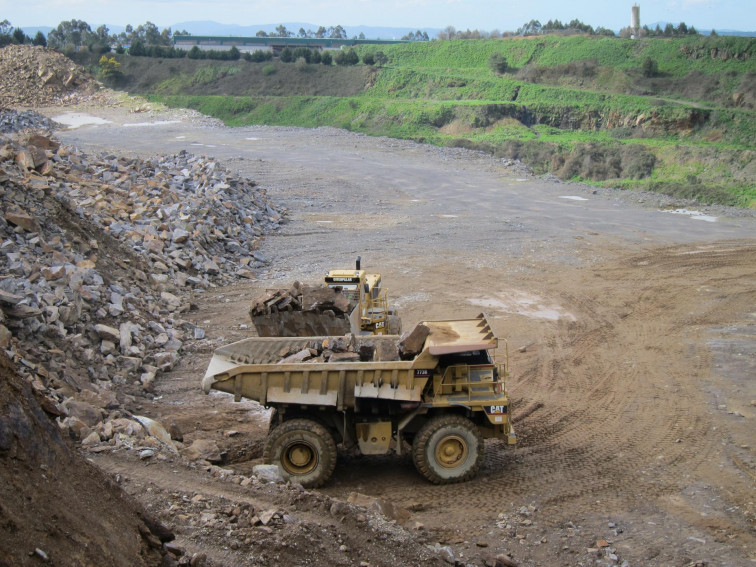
576	106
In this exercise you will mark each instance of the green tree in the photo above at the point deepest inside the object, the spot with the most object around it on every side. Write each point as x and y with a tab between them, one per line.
20	37
6	29
137	48
73	32
326	58
234	54
533	27
286	55
380	58
337	32
195	53
281	31
40	39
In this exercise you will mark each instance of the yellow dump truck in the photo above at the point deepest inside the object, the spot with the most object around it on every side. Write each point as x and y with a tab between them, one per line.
443	402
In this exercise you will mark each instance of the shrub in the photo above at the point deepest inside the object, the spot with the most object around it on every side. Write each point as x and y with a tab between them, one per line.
110	70
302	53
347	57
287	56
194	53
269	70
326	58
649	68
368	59
637	162
380	58
258	56
498	63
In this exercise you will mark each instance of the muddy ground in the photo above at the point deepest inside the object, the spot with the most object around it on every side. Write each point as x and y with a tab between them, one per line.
630	319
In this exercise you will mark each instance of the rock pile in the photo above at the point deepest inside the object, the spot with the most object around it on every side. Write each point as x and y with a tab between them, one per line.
15	121
36	76
94	251
351	348
302	311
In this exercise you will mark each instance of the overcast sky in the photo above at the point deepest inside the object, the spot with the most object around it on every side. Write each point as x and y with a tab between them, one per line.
484	15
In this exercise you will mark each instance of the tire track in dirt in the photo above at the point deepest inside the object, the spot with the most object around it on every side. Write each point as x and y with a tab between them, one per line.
622	418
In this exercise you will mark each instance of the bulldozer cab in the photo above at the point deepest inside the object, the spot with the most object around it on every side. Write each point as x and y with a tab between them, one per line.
371	300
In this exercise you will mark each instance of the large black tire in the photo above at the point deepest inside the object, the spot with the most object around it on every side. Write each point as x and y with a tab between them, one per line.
304	451
448	449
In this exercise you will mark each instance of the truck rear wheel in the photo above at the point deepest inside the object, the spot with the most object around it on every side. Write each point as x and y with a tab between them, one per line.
448	449
304	451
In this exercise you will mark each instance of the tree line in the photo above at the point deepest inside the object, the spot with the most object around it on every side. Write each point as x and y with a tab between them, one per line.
10	35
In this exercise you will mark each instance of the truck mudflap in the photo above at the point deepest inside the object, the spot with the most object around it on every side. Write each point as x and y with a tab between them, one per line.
498	416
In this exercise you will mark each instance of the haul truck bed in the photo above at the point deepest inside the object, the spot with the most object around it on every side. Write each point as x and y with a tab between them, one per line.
370	404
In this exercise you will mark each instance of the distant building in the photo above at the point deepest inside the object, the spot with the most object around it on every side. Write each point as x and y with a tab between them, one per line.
275	44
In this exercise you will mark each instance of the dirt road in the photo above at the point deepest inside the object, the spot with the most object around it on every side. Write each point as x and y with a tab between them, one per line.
631	333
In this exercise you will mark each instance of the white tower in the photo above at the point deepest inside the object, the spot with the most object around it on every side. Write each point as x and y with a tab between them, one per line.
635	20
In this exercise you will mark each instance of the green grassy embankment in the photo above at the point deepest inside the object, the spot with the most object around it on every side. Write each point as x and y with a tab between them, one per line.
578	107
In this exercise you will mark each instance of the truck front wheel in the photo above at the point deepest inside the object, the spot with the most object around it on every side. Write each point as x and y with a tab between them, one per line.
304	451
448	449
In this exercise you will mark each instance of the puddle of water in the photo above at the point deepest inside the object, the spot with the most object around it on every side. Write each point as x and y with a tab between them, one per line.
573	198
695	215
76	119
156	123
325	221
180	137
521	179
252	139
521	303
448	216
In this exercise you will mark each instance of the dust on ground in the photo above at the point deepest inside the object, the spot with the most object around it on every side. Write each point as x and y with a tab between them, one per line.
633	398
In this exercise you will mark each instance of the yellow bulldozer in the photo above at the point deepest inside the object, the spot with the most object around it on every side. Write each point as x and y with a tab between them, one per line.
348	301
